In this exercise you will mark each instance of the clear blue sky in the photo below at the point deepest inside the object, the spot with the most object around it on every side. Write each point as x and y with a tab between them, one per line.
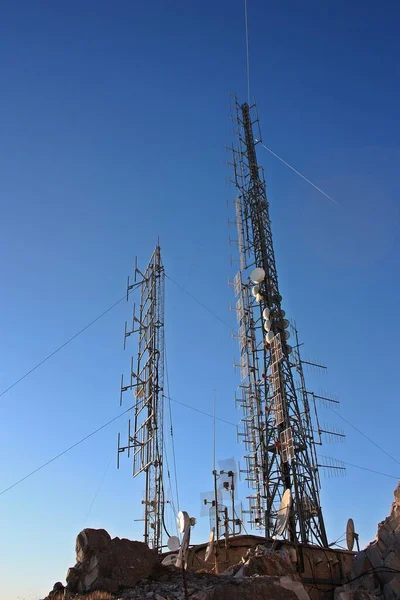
114	117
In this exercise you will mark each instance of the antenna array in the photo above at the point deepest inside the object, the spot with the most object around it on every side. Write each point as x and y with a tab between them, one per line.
278	426
145	440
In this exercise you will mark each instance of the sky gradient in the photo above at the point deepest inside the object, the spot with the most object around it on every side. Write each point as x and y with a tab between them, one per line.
114	121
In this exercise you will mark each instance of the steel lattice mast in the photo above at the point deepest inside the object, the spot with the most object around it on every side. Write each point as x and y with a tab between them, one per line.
147	383
278	430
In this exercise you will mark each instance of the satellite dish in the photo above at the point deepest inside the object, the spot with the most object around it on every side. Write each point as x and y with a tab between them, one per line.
183	520
210	546
173	543
267	325
269	337
350	534
286	323
258	275
184	523
287	335
254	290
283	512
171	559
258	297
266	313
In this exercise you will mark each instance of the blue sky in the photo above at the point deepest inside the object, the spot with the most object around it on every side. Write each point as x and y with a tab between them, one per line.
114	118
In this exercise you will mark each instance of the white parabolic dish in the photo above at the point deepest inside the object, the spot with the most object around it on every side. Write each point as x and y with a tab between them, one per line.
173	543
257	275
269	337
283	513
171	559
183	520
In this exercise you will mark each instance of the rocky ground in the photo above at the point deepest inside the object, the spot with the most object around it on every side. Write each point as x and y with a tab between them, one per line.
120	569
109	569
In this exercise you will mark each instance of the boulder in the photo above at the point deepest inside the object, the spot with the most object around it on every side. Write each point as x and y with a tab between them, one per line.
90	540
108	564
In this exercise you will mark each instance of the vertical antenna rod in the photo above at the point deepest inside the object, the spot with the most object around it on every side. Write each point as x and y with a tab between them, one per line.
277	432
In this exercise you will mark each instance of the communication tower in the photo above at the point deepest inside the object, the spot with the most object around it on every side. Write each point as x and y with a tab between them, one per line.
278	427
145	439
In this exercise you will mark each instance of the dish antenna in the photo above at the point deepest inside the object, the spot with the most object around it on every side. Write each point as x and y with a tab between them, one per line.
257	275
210	546
183	520
351	535
171	559
283	513
173	543
185	523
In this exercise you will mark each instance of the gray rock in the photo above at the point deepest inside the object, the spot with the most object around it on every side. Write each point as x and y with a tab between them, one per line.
90	540
374	556
391	590
383	553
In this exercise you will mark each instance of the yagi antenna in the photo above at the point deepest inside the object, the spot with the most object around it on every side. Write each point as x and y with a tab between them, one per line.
332	433
332	467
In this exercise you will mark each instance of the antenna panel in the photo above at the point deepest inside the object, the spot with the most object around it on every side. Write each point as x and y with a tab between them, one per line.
239	309
278	408
244	367
287	449
213	513
207	500
242	336
237	283
276	384
308	508
276	349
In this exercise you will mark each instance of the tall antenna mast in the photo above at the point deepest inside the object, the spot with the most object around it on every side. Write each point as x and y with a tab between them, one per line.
278	432
147	383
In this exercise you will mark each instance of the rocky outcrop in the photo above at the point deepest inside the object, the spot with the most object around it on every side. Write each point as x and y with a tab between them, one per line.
108	564
112	568
376	570
207	586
